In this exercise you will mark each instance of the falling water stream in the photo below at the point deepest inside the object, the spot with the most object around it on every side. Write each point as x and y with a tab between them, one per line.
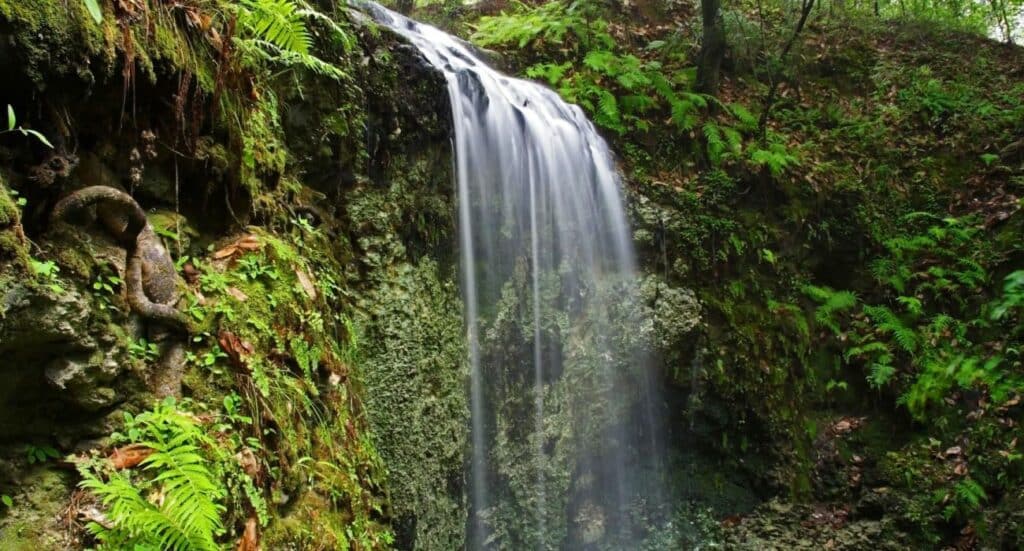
541	219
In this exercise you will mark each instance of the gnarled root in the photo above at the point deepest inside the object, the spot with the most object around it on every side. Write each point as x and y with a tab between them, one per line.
151	280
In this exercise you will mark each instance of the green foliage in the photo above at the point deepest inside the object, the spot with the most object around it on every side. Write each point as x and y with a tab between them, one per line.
94	10
623	92
967	498
187	514
831	303
144	350
254	268
6	500
275	33
549	22
106	287
1013	297
776	158
47	272
278	22
933	326
40	454
12	126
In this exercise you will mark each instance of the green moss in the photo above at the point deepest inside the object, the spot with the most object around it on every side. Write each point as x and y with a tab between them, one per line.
59	38
14	247
32	523
297	382
415	378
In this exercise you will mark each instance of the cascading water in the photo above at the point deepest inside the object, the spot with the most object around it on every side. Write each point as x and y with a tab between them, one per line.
562	410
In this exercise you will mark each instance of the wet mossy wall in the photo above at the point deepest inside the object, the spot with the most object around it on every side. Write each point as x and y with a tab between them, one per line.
355	326
401	223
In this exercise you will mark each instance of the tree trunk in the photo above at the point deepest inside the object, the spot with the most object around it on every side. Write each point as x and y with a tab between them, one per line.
805	11
712	48
405	6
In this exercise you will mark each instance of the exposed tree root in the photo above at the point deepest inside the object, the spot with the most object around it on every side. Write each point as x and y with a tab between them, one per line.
151	280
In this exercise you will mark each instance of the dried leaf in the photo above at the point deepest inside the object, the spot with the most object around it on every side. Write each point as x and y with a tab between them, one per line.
191	273
250	537
236	348
245	243
250	465
129	456
237	294
306	282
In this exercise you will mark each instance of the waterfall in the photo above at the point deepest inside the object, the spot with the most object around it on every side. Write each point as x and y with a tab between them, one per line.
562	407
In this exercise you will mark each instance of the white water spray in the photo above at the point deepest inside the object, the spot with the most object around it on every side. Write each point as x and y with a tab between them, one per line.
537	188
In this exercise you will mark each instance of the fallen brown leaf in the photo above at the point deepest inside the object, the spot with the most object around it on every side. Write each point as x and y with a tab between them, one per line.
306	282
237	294
250	465
129	456
250	537
236	348
238	247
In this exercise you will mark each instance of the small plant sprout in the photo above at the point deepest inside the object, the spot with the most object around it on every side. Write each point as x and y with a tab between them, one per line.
12	126
40	454
105	287
94	10
46	271
144	350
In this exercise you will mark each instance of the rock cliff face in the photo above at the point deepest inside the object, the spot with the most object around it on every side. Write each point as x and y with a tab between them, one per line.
313	225
312	222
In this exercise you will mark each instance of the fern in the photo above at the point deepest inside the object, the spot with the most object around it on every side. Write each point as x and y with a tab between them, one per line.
177	506
881	372
609	107
551	21
746	119
887	322
832	303
271	53
551	72
715	143
683	115
278	22
912	304
776	158
276	33
970	494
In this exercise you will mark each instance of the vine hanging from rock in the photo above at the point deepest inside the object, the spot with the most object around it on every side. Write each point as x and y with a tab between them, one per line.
150	275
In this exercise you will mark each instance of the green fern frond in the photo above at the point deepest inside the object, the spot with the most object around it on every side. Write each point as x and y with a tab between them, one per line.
664	88
279	22
733	139
551	72
912	304
887	322
343	36
715	143
271	53
601	61
683	116
940	323
746	119
970	493
872	348
881	372
609	108
188	515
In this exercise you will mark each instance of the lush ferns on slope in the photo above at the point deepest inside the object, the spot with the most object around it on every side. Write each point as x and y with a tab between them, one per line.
173	502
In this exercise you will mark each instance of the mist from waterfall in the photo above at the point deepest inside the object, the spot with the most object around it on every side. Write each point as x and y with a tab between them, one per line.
563	408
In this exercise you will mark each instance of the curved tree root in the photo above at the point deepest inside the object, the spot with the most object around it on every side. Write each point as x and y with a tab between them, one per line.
151	280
